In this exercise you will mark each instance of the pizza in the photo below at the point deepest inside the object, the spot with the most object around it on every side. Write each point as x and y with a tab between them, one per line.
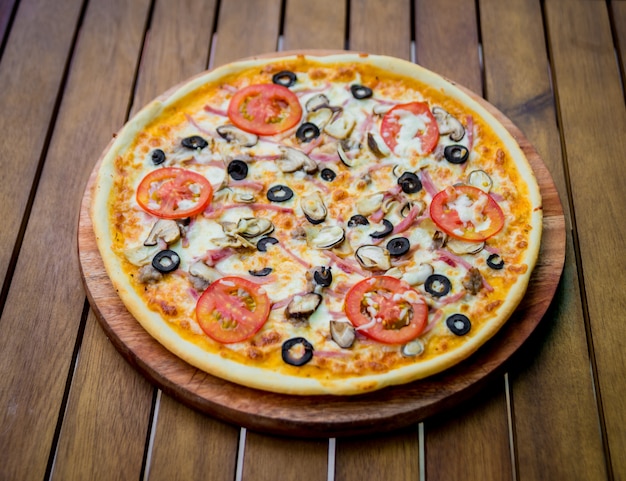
318	224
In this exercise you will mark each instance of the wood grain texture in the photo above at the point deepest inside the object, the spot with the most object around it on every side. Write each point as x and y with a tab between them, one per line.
246	28
325	415
446	40
591	105
31	74
380	27
551	382
190	445
38	338
314	25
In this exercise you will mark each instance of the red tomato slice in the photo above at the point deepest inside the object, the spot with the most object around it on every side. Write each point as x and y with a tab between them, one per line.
392	310
467	213
173	193
393	121
232	309
264	109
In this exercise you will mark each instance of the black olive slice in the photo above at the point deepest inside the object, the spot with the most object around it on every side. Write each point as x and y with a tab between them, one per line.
307	132
437	285
157	157
358	219
323	276
456	154
495	262
194	142
398	246
285	78
328	175
266	271
387	229
238	169
264	242
279	193
166	261
289	358
361	91
459	324
410	183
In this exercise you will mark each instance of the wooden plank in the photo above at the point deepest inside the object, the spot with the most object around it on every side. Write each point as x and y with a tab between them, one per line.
380	27
618	15
188	445
43	333
384	457
320	27
448	43
98	425
6	11
31	74
593	120
552	384
245	29
456	443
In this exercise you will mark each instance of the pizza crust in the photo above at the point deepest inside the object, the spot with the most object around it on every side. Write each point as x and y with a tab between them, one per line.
215	362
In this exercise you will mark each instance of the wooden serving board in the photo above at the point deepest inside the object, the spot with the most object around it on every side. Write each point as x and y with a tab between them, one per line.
330	416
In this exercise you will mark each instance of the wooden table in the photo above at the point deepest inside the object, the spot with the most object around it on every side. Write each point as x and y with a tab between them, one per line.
71	73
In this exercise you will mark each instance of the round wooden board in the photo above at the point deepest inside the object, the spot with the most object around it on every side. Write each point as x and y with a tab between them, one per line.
330	416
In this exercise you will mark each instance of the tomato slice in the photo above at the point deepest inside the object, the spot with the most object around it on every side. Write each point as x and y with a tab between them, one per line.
413	125
467	213
232	309
174	193
387	309
264	109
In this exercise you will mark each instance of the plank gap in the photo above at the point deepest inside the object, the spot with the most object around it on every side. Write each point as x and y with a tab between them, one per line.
510	415
151	435
616	47
346	39
241	449
481	58
332	452
66	391
422	452
209	62
5	30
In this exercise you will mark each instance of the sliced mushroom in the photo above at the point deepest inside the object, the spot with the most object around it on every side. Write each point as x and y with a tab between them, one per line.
379	149
373	257
293	159
457	246
232	134
165	229
439	239
234	241
341	126
480	179
140	255
250	227
320	117
343	333
313	207
202	275
326	238
301	307
317	102
418	276
243	197
448	124
369	204
381	109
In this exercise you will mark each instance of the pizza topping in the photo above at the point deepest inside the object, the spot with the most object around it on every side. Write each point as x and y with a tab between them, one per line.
398	246
250	227
410	126
323	276
264	109
410	183
302	306
266	271
279	193
157	156
297	351
147	274
418	276
374	147
387	229
357	220
328	174
437	285
232	309
373	257
292	159
481	180
238	169
473	281
174	193
202	275
369	204
341	126
456	154
413	348
307	132
361	91
195	142
313	207
495	261
286	78
317	102
459	324
343	333
326	238
460	247
264	242
166	261
448	124
232	134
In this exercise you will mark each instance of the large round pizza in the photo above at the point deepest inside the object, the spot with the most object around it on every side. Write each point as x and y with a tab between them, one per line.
328	224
